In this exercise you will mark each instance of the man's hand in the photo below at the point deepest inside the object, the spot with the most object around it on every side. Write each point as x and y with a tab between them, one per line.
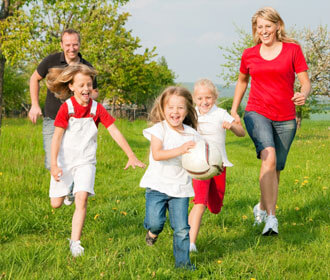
34	113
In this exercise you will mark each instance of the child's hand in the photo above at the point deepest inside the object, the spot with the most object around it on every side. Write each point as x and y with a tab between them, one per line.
227	125
221	169
56	172
133	161
187	146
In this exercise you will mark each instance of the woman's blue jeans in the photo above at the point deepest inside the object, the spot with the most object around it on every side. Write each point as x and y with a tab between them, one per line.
156	205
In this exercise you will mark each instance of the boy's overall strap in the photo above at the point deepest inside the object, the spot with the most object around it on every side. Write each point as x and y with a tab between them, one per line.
94	107
70	107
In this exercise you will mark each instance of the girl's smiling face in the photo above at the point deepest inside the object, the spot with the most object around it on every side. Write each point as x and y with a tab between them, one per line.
175	111
82	87
204	99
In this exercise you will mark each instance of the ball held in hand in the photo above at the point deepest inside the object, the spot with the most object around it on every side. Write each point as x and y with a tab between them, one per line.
203	161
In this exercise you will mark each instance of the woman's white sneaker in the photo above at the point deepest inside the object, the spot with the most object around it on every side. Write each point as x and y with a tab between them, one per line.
76	249
259	215
271	227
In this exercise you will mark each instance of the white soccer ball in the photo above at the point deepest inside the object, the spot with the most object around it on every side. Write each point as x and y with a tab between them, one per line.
203	161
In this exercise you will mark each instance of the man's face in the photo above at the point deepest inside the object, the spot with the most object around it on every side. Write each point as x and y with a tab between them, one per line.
70	45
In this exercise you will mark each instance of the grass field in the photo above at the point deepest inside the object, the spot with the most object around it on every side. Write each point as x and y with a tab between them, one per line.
33	236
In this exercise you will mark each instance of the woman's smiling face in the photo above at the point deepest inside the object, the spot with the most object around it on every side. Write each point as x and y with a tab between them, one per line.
266	31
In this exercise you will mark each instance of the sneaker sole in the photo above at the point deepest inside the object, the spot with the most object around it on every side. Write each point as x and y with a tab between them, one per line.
270	232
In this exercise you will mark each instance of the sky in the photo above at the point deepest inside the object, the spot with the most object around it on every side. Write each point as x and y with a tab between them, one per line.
188	33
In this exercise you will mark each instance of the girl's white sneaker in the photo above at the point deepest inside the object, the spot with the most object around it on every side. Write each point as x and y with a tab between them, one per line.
76	249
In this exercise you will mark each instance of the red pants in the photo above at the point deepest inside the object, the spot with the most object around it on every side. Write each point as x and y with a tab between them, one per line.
211	192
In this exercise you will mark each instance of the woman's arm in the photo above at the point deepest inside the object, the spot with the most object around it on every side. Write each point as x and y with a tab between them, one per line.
122	143
159	154
299	98
242	83
55	171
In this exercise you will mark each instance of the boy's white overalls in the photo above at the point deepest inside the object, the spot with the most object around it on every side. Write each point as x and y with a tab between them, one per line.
77	155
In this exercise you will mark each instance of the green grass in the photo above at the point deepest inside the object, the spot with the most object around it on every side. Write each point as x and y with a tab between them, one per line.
33	237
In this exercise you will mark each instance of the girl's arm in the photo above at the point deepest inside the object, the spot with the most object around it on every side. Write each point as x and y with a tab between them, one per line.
235	127
242	83
300	98
55	171
122	143
159	154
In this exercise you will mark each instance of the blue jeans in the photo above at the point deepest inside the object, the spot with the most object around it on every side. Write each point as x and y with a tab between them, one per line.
47	133
267	133
156	205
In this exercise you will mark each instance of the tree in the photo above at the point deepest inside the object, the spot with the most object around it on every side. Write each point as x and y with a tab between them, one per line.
315	45
123	75
15	89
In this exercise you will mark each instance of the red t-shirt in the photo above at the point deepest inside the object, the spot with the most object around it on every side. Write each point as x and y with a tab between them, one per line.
272	81
102	115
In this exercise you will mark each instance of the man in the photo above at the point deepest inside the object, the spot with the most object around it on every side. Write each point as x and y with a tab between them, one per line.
70	44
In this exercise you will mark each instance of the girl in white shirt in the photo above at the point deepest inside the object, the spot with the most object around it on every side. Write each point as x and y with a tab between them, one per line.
168	185
212	125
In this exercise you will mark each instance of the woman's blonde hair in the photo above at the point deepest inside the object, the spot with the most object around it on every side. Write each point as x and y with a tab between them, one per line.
270	14
58	79
208	84
157	112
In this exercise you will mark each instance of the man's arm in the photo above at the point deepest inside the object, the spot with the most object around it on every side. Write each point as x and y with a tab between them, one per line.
35	110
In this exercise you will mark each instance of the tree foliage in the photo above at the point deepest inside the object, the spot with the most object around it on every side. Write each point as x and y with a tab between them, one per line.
15	89
125	73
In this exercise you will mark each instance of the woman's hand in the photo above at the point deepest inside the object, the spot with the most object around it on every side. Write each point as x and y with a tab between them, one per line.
299	98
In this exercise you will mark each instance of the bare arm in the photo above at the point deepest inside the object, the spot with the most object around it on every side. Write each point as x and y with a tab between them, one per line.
158	153
299	98
55	171
235	127
35	110
242	83
122	143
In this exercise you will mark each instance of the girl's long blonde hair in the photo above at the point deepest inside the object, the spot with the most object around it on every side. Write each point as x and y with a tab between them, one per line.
58	79
157	111
269	13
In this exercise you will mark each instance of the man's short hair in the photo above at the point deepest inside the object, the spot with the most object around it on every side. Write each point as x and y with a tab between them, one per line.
70	31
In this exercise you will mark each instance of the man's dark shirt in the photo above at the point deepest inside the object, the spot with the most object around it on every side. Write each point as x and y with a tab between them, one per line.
53	104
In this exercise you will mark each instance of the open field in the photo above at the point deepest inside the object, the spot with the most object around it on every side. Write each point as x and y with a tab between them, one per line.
33	237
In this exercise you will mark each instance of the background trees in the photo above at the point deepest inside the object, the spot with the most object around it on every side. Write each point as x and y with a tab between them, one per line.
125	73
316	48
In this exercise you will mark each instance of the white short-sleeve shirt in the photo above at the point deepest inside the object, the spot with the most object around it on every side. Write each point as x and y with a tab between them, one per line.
168	176
210	127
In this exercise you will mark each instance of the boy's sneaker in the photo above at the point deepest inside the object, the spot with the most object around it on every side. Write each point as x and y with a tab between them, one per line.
193	248
271	227
76	249
259	215
150	240
69	199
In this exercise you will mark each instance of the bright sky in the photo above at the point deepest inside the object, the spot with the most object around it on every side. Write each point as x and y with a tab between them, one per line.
188	32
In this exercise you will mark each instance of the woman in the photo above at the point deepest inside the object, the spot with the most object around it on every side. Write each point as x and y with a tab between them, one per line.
270	111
